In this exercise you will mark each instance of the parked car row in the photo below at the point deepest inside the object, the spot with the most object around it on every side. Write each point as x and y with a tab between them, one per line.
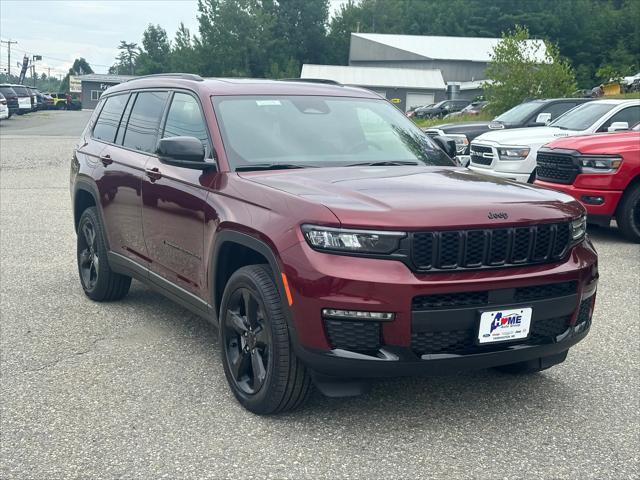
591	151
21	99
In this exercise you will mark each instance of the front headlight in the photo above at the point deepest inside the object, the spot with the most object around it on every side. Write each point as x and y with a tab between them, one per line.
600	164
462	142
513	153
578	228
356	241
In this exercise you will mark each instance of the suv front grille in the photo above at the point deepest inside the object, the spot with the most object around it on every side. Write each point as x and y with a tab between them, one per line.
481	298
478	153
556	168
498	247
463	341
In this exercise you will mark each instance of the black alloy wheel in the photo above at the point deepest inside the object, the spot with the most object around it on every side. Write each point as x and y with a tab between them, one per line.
261	367
247	340
88	261
98	281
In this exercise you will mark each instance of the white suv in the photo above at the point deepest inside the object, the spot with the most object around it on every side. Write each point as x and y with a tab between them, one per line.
511	154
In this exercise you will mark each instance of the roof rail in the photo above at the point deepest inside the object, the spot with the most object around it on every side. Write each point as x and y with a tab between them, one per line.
184	76
311	80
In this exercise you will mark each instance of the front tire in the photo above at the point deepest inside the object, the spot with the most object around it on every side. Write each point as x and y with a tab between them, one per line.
98	281
263	372
628	215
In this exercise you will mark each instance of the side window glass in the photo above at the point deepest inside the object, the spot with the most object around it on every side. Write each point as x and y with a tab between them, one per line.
558	109
631	115
125	117
142	128
185	119
109	119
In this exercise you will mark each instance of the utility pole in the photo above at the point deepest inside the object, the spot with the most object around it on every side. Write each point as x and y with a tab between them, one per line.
9	43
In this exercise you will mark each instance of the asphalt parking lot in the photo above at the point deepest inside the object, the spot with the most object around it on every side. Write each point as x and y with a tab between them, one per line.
135	389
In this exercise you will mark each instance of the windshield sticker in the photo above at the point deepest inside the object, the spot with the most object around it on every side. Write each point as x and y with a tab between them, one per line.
265	103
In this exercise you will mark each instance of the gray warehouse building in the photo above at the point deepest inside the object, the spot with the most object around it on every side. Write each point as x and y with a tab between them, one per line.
403	87
92	86
461	62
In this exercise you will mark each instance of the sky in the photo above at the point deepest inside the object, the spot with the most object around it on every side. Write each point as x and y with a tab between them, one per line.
62	31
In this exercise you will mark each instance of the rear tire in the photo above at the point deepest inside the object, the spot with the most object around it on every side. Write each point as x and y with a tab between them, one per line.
628	214
263	372
98	281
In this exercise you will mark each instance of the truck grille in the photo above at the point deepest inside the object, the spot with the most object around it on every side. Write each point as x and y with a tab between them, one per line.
478	152
487	248
556	168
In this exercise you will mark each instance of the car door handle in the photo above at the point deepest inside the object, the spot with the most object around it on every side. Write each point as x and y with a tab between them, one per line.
106	160
153	174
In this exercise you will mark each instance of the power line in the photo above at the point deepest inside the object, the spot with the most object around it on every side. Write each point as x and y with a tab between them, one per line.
44	55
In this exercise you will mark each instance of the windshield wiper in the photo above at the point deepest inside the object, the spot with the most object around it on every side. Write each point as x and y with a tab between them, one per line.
268	166
388	163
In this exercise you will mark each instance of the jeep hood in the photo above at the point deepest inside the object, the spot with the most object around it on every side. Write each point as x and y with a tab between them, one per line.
414	198
532	136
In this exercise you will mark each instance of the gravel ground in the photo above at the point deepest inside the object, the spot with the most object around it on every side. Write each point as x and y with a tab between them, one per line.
135	389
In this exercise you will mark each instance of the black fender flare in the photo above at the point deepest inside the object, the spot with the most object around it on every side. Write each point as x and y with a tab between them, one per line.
249	241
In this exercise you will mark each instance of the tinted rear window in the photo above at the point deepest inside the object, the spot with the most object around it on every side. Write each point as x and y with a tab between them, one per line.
144	121
8	91
109	119
21	91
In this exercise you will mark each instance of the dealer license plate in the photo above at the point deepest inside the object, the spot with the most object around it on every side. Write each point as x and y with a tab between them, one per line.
504	325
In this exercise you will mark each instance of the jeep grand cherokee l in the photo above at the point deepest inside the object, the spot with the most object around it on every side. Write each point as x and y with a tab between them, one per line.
602	171
324	234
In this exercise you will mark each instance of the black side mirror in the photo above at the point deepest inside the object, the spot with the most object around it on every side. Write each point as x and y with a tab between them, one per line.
446	144
186	152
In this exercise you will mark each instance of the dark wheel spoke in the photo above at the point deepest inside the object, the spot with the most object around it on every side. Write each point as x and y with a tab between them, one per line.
262	338
259	371
236	322
89	234
239	365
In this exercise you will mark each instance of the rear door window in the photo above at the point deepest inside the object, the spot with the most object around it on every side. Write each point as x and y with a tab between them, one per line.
144	121
631	115
109	119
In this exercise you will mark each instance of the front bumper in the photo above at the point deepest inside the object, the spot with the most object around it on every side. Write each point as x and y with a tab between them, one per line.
607	208
319	281
518	177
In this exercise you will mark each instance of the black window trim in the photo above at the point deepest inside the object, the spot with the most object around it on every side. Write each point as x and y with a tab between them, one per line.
102	102
163	124
131	93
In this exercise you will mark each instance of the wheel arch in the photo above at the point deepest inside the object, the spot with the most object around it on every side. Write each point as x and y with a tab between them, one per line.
253	251
85	195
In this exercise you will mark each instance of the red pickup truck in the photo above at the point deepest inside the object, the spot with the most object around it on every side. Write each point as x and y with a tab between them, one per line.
602	171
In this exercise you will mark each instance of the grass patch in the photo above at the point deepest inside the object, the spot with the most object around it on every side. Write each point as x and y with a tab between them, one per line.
628	95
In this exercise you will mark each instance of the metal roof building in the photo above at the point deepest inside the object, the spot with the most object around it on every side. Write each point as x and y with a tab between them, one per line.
404	87
460	59
92	85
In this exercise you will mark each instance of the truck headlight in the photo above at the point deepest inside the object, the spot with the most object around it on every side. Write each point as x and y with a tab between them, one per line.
462	142
513	153
578	228
600	164
356	241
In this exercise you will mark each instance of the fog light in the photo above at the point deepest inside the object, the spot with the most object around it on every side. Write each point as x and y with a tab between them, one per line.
591	200
358	315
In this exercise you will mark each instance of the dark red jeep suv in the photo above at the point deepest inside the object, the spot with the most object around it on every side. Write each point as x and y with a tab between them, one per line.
324	234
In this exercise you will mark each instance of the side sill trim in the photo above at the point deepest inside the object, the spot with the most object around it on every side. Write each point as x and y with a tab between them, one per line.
188	300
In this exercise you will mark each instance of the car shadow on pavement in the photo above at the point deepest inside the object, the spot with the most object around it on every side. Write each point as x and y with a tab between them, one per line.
464	397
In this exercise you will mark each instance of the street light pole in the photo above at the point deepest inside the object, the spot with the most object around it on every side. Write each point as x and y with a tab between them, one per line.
9	43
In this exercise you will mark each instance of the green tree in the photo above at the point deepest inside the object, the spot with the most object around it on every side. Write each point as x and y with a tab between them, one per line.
126	59
156	49
183	55
519	70
80	67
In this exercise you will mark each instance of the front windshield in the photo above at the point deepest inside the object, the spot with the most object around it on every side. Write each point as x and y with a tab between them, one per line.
316	131
518	114
582	117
